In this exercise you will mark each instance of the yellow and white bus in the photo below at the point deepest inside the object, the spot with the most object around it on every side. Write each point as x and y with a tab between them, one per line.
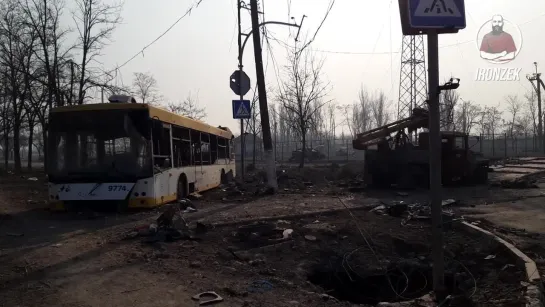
132	155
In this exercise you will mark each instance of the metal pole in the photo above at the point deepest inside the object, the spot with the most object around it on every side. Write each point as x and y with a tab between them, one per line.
505	144
263	108
435	163
539	112
242	147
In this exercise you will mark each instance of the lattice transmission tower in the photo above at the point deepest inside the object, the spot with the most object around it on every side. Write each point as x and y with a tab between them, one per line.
413	87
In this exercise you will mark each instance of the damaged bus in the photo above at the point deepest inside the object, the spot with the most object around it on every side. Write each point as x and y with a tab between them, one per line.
128	155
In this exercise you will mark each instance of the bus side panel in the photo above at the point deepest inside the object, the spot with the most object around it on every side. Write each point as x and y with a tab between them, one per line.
188	171
211	175
165	185
143	194
163	192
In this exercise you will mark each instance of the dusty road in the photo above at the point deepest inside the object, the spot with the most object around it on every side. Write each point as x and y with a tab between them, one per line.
84	258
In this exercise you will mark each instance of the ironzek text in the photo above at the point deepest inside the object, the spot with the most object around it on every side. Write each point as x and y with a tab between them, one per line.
498	74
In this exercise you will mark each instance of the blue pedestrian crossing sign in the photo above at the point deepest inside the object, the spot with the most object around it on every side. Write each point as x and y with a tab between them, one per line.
242	109
437	14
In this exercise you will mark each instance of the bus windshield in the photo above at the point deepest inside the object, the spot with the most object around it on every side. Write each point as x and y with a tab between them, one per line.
102	145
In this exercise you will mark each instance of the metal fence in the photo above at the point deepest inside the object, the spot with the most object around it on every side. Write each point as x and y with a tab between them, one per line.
504	146
322	150
339	150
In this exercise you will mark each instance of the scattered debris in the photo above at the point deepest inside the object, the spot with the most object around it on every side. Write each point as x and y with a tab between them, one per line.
310	238
170	226
287	233
11	234
207	298
489	257
381	209
195	195
186	205
260	286
414	211
523	182
397	209
448	202
166	218
32	179
327	297
507	266
190	210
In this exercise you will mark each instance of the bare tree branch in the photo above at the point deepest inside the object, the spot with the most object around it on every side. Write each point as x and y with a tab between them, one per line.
95	21
145	88
302	94
189	107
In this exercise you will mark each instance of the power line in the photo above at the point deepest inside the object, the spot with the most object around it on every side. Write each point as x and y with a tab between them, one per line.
187	13
329	8
383	52
389	52
377	40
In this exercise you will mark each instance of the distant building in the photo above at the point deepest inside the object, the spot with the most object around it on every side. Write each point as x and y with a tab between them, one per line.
249	146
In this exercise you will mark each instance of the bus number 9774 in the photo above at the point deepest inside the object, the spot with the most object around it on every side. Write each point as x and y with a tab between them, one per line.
116	188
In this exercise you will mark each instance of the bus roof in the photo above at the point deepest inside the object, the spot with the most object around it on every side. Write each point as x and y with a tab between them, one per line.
154	112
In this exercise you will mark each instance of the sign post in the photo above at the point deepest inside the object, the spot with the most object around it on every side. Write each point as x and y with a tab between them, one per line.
240	85
242	109
434	17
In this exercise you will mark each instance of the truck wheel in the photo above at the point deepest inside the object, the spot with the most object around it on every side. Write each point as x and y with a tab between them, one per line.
223	177
181	190
482	177
122	206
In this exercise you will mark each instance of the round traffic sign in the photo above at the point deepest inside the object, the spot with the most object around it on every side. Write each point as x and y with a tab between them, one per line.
239	82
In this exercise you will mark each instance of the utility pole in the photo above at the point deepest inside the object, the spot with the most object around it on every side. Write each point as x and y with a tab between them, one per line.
464	115
537	87
263	108
71	82
242	143
435	163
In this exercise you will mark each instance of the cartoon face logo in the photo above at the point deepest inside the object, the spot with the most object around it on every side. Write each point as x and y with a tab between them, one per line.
499	40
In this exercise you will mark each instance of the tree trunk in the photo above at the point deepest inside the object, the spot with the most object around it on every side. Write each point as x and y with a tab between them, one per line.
17	144
30	140
45	147
6	148
253	158
303	151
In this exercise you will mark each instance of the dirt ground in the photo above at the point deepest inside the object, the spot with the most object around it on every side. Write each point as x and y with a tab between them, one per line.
334	256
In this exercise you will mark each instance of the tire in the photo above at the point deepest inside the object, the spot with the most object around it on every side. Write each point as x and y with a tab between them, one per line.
122	206
181	190
481	175
223	177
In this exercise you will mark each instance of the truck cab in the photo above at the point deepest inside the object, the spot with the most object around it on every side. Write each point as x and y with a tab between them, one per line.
459	162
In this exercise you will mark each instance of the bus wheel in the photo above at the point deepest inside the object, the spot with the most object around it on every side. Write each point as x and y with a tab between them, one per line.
223	178
181	192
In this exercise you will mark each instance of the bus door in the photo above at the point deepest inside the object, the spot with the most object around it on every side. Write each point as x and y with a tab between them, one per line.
197	159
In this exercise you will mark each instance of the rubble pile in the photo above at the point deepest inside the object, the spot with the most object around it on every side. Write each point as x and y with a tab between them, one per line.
414	211
170	225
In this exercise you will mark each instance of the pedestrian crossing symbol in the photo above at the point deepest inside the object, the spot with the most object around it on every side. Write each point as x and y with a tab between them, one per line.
437	8
447	16
242	109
